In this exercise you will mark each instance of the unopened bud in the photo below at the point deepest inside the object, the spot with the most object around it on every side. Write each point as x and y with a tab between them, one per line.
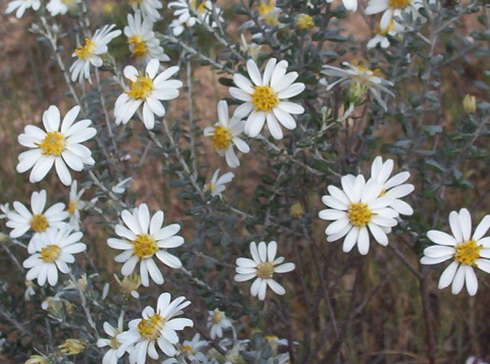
469	104
296	210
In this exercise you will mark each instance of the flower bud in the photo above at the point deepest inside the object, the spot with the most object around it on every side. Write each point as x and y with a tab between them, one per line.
72	346
469	104
296	210
304	21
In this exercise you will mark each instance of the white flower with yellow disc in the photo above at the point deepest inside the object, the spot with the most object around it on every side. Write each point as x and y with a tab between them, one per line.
141	39
467	250
156	327
53	251
217	322
115	352
217	184
21	220
265	98
89	53
148	90
149	8
59	145
225	134
263	266
189	14
143	239
393	9
356	210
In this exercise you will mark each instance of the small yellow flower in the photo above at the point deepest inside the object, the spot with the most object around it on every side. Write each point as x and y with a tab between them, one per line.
304	21
296	210
469	104
72	346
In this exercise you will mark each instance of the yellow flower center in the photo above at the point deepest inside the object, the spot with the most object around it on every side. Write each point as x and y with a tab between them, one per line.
359	214
468	252
221	138
211	187
217	317
264	98
39	223
151	328
304	21
144	246
52	144
399	4
85	51
141	88
50	253
72	207
137	46
201	9
383	33
265	270
265	9
114	344
187	349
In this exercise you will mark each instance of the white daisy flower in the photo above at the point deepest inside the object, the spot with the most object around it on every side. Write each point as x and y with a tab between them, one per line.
141	39
56	7
53	250
381	36
393	9
350	5
217	185
354	209
121	186
189	14
89	53
269	13
251	49
225	134
21	220
58	147
217	322
145	239
21	6
191	350
149	8
394	187
264	99
114	353
156	327
149	90
75	205
466	250
358	80
262	267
